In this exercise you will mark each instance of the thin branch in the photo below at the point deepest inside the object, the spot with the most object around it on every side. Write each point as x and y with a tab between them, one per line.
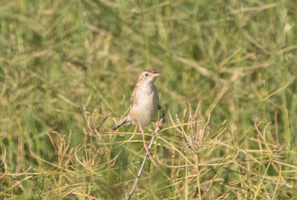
145	158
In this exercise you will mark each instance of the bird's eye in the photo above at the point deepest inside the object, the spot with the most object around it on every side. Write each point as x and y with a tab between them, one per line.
146	74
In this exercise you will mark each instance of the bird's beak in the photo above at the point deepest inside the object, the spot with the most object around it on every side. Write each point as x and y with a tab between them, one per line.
156	74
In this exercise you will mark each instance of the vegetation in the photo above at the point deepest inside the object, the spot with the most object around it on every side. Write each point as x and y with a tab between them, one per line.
228	87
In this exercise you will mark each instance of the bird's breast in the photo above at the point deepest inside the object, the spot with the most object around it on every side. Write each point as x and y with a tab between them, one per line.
145	108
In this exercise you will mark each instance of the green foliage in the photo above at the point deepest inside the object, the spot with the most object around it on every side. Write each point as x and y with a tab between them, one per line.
67	67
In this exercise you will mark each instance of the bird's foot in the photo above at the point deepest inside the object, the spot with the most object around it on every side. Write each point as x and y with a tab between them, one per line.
159	125
148	150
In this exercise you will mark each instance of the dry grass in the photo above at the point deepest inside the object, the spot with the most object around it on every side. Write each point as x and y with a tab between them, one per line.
67	71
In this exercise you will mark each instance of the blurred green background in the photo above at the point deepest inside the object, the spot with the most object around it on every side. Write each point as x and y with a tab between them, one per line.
69	66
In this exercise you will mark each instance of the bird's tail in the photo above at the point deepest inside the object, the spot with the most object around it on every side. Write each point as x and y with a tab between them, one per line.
121	122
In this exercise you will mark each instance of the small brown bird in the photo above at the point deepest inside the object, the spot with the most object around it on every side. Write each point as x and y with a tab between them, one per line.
144	103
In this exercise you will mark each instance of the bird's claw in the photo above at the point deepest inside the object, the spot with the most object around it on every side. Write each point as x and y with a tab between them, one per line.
148	150
159	125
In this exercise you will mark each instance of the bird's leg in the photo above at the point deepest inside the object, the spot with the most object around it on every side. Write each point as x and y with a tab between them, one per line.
159	124
144	144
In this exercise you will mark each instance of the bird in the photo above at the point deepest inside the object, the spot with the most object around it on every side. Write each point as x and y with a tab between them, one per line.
144	103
